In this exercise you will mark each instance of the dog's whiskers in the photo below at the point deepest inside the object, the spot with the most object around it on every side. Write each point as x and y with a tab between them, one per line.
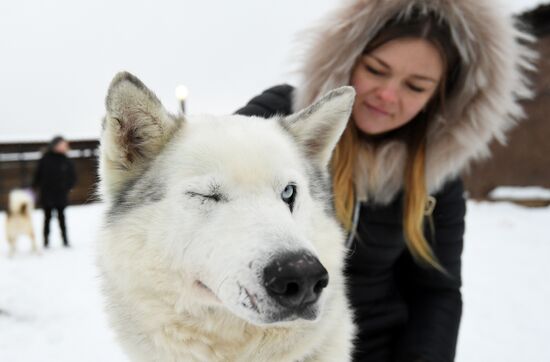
249	297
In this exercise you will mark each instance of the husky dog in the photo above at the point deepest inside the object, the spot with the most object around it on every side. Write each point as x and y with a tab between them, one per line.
19	218
219	242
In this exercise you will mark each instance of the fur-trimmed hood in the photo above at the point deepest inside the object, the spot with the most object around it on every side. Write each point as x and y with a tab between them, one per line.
495	61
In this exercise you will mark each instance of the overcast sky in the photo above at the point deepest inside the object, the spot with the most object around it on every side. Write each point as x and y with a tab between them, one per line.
57	57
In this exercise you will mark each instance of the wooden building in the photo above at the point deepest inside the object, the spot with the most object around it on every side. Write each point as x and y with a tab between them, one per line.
18	162
525	160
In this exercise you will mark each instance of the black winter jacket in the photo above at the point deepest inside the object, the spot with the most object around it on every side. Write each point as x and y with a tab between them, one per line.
404	311
54	178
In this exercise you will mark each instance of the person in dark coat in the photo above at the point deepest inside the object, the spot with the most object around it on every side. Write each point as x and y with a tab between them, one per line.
53	179
436	81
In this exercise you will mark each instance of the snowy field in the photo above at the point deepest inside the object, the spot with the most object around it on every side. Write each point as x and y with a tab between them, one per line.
51	310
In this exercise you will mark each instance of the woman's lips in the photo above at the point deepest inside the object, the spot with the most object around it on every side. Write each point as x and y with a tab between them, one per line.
377	110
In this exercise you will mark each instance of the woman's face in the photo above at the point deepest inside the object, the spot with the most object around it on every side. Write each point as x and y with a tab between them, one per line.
393	83
61	147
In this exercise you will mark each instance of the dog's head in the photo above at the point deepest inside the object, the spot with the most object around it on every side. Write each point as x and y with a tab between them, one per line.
235	211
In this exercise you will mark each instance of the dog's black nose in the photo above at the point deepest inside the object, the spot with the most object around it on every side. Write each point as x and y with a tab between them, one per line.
295	279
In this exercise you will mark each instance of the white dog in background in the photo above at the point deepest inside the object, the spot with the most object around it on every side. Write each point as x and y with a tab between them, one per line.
19	219
220	243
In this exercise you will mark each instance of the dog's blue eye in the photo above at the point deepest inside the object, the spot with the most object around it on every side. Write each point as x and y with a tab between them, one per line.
289	195
288	192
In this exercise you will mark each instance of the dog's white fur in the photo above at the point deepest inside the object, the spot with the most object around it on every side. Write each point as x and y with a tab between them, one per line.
19	219
195	215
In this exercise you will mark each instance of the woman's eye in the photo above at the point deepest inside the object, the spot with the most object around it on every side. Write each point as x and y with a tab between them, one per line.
288	195
373	70
416	89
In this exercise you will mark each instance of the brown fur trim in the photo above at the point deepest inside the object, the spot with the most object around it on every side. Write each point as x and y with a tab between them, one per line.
484	107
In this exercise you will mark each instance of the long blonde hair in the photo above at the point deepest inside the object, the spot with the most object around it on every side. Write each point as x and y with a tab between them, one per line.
348	149
415	198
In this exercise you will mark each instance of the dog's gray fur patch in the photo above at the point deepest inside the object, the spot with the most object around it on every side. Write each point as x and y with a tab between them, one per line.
136	193
320	185
306	113
125	76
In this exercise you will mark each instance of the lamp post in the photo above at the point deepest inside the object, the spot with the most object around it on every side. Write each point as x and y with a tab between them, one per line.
181	94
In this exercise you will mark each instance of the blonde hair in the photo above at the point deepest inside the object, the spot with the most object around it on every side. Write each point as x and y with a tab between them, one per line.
416	197
343	165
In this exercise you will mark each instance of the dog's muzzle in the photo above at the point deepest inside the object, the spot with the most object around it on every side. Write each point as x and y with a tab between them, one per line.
295	281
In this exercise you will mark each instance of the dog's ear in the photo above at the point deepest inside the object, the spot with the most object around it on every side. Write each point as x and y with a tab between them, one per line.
319	127
135	129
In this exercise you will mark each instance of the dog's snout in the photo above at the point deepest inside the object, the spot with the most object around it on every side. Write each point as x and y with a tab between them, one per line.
296	279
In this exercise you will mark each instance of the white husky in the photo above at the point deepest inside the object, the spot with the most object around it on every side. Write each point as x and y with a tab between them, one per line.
219	243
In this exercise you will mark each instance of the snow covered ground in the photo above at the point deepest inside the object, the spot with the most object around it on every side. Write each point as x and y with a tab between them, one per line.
51	309
520	193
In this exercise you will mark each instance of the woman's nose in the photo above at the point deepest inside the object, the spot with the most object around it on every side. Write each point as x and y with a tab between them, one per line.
387	93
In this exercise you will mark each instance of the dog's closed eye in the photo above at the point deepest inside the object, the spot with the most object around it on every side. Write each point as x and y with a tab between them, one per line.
216	197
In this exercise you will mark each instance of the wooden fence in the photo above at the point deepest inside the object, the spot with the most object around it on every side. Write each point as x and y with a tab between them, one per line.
18	162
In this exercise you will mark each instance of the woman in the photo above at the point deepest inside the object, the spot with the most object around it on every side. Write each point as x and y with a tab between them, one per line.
54	178
436	80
